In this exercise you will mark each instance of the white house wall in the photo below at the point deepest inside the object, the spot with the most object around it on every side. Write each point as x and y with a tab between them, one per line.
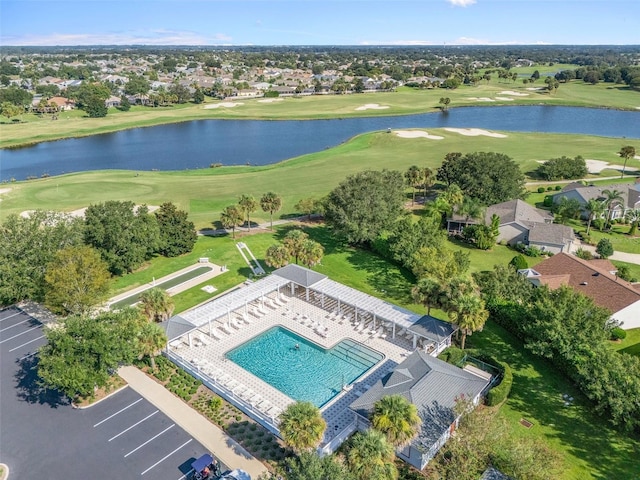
629	316
512	233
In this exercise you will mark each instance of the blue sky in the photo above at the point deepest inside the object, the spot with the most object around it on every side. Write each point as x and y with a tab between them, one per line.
313	22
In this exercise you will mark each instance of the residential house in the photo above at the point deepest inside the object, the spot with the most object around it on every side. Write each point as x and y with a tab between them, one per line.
596	279
112	102
521	223
434	387
63	103
583	193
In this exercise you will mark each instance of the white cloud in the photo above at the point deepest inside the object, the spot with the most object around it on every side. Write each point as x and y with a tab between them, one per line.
461	3
148	37
398	42
482	41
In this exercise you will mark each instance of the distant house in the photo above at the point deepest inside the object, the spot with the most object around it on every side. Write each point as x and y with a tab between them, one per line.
283	90
521	223
112	102
434	387
596	279
63	103
583	193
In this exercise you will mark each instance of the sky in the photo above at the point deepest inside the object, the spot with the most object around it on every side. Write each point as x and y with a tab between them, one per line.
315	22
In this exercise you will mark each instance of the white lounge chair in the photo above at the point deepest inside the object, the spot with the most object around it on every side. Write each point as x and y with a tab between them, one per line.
214	334
225	328
283	298
247	394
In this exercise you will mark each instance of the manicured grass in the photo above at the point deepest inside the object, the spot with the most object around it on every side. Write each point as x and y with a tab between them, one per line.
204	193
618	236
631	344
404	101
634	268
589	447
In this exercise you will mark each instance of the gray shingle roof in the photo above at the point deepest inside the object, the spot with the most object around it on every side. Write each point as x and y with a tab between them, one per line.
594	191
494	474
431	385
432	328
176	326
517	211
552	233
299	275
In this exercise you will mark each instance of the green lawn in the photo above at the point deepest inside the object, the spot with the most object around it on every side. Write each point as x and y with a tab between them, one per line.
204	193
589	447
583	440
404	101
631	344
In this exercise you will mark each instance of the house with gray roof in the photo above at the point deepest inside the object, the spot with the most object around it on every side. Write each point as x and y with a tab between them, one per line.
521	223
630	193
434	387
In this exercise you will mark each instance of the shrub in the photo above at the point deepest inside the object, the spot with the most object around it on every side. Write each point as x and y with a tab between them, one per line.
519	262
500	393
618	333
453	355
584	254
548	201
215	403
540	189
549	189
604	248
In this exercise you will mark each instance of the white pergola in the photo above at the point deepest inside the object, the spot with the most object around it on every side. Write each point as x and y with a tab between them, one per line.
220	309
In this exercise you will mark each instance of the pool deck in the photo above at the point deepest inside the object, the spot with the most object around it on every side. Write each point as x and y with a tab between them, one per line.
206	355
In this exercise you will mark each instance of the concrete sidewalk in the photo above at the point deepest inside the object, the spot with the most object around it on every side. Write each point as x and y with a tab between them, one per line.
215	440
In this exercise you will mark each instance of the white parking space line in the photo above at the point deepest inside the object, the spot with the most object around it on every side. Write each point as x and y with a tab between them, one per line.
10	316
15	336
15	325
167	456
27	343
28	354
119	411
134	425
186	474
151	439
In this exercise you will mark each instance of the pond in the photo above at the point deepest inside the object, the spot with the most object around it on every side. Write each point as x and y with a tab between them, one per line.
197	144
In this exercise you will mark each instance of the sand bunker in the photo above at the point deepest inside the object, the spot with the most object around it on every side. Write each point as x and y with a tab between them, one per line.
482	99
515	94
597	166
80	212
224	104
372	106
416	134
536	89
505	99
270	100
4	190
475	132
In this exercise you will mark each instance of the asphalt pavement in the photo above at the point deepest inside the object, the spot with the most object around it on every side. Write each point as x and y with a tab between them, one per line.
43	436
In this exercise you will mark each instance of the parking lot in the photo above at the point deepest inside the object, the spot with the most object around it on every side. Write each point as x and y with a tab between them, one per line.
42	435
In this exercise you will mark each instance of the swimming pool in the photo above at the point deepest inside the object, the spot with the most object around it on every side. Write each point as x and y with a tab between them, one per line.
306	372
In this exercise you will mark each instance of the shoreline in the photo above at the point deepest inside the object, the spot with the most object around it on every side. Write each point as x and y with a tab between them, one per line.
154	122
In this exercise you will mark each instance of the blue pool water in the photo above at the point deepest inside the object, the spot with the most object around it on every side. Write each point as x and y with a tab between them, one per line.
307	373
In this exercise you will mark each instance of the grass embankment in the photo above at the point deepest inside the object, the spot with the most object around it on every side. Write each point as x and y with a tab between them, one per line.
405	101
588	446
204	193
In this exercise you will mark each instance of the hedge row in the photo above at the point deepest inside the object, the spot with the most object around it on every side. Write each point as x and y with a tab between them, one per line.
497	394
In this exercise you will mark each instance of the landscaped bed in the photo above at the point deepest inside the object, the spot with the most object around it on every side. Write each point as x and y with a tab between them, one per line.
261	443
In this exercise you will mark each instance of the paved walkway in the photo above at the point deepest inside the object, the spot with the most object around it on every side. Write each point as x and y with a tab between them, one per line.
215	271
215	440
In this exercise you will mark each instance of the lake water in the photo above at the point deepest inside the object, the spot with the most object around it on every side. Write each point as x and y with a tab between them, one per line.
197	144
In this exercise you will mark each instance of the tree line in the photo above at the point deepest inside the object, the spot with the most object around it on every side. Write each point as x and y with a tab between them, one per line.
68	261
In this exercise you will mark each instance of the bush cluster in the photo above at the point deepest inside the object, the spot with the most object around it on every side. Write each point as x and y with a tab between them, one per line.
499	393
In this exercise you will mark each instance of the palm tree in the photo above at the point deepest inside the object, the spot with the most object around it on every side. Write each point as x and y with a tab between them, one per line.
277	256
626	153
633	217
302	426
413	176
471	209
613	198
469	313
271	203
370	456
151	340
156	304
594	209
444	101
429	293
247	205
294	243
231	217
397	418
428	179
311	253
